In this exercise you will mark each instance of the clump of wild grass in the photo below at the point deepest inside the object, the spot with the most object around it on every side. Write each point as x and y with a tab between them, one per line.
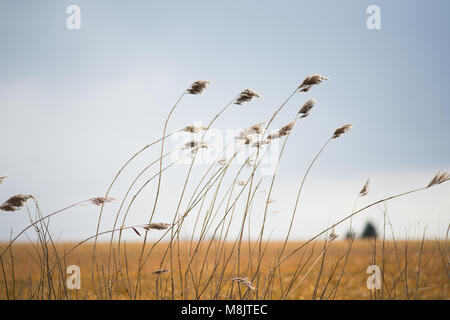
16	202
198	274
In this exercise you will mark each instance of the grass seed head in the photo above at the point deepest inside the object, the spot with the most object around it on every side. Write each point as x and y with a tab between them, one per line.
311	81
98	201
157	226
3	178
260	143
161	271
194	129
286	129
16	202
246	95
365	190
222	161
198	87
306	108
135	230
341	130
439	178
244	281
333	235
196	145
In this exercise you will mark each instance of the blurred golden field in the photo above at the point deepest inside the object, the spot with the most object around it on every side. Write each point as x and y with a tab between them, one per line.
411	270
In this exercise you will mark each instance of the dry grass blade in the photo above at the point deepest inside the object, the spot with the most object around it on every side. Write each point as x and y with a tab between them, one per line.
137	232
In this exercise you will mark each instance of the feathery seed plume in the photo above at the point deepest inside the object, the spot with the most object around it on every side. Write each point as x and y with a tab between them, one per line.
98	201
310	81
439	178
246	95
341	130
161	271
273	136
157	226
244	281
248	132
256	128
260	143
195	145
365	190
307	107
222	161
333	235
285	130
194	129
198	87
16	202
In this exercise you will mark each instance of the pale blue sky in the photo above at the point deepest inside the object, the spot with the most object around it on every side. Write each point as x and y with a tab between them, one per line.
74	104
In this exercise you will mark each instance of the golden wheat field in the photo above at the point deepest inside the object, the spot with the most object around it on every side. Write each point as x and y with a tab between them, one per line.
321	270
